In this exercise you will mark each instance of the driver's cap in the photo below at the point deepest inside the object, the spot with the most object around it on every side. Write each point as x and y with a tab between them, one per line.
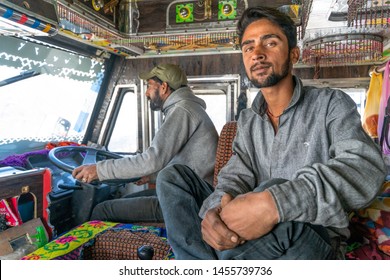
169	73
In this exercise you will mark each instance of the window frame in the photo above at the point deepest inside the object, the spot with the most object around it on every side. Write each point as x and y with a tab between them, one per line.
229	84
113	111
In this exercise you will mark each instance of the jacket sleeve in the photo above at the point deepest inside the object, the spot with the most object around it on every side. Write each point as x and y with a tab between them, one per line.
173	134
324	193
235	178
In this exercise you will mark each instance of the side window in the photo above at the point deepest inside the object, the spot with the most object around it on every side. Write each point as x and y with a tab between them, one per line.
216	106
359	96
220	94
123	125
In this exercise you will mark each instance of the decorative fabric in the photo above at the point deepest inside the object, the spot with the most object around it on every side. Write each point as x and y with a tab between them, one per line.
98	240
20	160
371	109
383	111
70	242
368	251
370	227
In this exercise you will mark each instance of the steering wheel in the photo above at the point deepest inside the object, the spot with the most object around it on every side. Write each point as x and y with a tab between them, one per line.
89	155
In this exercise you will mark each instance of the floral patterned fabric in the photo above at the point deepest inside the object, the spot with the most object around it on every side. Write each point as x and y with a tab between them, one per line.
370	228
71	242
105	240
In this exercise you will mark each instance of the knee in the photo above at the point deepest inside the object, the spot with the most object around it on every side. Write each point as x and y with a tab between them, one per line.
171	173
98	212
170	179
168	173
166	176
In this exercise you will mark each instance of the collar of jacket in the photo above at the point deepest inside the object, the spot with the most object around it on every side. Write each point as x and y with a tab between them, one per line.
183	93
259	104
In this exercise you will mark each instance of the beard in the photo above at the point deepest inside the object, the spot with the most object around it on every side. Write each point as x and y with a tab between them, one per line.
156	103
274	78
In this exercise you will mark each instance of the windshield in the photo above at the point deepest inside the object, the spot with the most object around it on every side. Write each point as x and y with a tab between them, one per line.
46	95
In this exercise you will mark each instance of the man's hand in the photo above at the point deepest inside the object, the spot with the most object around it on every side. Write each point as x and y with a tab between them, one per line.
85	173
250	215
143	180
215	232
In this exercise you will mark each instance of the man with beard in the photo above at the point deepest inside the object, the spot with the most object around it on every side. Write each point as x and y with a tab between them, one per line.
186	136
301	161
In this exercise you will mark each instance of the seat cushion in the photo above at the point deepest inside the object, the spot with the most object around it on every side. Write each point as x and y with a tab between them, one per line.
123	244
224	148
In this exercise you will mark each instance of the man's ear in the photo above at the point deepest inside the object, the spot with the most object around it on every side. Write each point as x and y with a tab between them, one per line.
165	87
294	55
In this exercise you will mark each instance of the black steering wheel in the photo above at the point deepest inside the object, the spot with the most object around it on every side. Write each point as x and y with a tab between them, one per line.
88	155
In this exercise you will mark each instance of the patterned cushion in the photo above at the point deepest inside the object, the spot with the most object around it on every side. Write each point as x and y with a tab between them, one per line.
123	244
224	148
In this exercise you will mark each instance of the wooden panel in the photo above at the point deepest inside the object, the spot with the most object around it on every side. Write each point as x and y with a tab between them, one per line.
231	64
192	65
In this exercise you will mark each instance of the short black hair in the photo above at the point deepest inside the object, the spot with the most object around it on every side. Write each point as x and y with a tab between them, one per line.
253	14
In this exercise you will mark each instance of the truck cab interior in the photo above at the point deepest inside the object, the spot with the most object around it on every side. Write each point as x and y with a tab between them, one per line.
70	92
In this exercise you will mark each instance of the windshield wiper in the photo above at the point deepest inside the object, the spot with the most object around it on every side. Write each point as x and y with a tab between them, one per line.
22	76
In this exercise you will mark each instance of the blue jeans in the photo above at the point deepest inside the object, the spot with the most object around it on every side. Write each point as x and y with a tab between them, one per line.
181	194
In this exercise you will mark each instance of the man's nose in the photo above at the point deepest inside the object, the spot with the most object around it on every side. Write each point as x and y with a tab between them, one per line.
259	53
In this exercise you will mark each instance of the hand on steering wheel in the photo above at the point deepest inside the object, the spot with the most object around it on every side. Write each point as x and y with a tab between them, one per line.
87	169
86	173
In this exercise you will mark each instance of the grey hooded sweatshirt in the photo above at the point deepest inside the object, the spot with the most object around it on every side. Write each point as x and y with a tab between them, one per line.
187	136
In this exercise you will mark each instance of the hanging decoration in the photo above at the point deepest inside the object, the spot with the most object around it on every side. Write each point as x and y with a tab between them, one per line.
343	49
369	13
305	12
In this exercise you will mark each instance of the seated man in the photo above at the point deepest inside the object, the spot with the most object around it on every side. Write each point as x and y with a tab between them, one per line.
187	136
301	161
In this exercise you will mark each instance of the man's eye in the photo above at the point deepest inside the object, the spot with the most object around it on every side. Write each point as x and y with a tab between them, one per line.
248	49
270	44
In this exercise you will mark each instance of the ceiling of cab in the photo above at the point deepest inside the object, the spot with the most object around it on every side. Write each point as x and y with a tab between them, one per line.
328	30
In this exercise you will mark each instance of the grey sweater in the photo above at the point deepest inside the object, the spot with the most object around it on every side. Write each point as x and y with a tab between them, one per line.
331	164
186	136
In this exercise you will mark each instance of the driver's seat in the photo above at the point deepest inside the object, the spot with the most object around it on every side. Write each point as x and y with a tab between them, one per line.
109	239
123	244
223	154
